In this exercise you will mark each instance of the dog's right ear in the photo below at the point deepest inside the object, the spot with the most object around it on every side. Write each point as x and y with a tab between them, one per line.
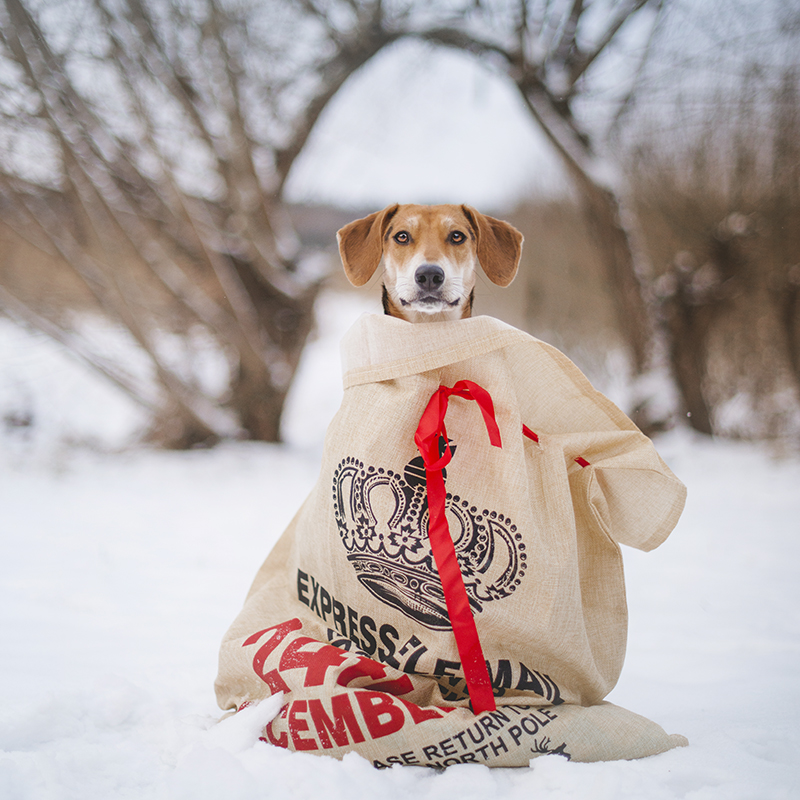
361	245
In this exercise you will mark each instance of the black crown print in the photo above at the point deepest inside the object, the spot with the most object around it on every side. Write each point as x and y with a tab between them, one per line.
382	518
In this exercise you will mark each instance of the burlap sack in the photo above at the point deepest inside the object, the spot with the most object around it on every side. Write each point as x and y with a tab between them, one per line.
348	616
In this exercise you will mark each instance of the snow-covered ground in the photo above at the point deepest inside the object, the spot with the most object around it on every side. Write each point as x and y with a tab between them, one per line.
121	571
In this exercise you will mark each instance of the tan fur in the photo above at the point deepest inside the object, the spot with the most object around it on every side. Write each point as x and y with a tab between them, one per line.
429	256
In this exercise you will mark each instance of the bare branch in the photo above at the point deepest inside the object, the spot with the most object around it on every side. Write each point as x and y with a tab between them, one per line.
627	102
76	345
119	210
585	60
103	286
359	48
563	46
462	40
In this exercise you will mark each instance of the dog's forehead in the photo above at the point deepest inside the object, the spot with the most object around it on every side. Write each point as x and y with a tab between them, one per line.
415	217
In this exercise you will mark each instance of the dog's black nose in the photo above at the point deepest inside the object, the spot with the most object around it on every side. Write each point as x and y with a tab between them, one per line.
429	276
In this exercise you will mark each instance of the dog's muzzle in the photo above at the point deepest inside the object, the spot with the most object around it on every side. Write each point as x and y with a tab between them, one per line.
429	278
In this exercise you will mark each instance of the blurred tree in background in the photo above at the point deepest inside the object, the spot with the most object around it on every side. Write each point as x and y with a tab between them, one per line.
712	151
146	145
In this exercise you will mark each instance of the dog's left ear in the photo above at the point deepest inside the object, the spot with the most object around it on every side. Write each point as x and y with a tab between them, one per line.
499	246
361	245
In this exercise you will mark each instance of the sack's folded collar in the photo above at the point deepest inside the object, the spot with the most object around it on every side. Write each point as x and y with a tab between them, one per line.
347	615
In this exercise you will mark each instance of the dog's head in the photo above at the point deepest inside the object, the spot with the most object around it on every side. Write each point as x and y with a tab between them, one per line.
429	256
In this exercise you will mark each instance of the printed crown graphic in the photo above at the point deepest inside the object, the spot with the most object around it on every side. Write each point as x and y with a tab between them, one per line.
382	518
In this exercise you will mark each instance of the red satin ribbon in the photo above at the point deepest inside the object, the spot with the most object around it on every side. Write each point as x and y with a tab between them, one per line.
429	433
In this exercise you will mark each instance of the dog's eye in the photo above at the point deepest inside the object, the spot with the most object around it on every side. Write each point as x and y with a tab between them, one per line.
402	237
457	237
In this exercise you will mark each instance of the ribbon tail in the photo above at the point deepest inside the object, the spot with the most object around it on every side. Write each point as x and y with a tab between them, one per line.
431	428
455	593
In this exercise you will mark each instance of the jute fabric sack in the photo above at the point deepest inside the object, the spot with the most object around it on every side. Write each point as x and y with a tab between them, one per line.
355	616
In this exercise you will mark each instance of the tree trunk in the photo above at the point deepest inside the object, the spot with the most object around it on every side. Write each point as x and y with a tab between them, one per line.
259	390
174	428
688	325
603	209
790	317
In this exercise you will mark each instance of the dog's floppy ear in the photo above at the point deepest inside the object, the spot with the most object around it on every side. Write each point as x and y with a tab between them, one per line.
499	246
361	245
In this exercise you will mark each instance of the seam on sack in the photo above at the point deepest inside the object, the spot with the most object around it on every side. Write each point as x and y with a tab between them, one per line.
596	515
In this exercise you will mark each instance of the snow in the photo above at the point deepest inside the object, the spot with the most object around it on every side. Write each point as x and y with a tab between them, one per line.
122	567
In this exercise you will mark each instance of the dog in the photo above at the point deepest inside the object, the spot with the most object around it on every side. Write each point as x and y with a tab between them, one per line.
430	257
421	618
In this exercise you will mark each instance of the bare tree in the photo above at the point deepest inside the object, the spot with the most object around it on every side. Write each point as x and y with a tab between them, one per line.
164	134
716	186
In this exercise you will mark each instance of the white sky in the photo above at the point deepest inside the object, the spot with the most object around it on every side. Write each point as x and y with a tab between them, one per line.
426	125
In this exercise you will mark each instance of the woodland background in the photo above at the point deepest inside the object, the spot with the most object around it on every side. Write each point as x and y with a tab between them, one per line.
172	175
